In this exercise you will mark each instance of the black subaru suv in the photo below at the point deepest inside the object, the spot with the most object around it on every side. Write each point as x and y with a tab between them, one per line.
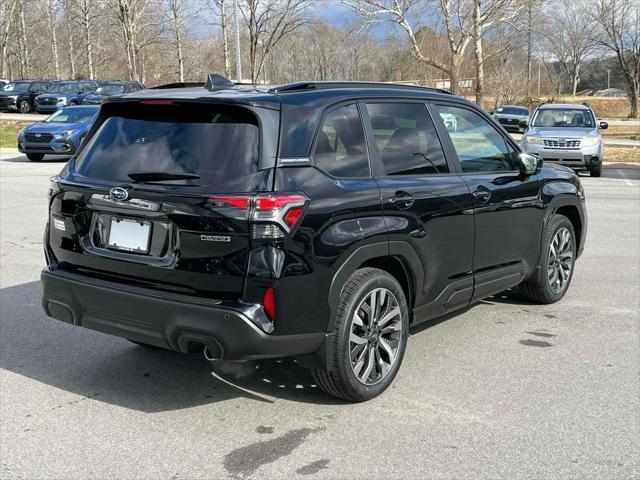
312	220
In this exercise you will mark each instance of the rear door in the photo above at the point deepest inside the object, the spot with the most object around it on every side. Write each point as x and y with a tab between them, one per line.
160	196
425	202
508	213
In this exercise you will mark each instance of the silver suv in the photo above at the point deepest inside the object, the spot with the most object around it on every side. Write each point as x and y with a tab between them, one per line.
566	134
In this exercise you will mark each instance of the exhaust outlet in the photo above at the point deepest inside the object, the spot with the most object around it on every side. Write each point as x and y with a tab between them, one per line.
208	354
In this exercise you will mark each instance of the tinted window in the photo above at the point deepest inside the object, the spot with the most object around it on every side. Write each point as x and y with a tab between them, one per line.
17	87
340	146
564	117
218	144
406	139
479	146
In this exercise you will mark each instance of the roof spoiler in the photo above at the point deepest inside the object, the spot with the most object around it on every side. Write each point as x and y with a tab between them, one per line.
177	85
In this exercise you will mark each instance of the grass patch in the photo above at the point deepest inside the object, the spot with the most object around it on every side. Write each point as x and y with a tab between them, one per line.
622	154
9	131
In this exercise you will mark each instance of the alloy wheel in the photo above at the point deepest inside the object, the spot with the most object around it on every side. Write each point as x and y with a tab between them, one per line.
376	333
24	106
560	260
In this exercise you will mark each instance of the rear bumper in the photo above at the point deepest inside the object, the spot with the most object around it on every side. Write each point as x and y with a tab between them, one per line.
174	322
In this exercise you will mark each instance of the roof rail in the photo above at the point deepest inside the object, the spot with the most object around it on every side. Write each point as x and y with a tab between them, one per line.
292	87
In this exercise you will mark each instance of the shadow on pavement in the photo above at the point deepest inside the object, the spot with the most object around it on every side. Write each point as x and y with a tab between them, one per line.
118	372
20	158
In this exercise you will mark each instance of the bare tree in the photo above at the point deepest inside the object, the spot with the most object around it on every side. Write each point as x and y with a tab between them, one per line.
70	46
86	14
619	22
138	26
486	14
570	37
457	29
268	22
8	13
22	42
53	15
177	14
220	7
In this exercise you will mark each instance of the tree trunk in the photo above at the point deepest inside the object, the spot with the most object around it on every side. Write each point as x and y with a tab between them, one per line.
454	73
54	39
72	58
478	54
5	37
86	7
225	41
24	48
575	79
175	11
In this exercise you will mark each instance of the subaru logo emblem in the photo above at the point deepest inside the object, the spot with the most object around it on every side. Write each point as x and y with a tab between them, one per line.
38	135
119	194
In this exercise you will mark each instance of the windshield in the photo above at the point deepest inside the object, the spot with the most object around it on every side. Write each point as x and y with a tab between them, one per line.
63	88
512	110
218	144
17	87
110	89
73	115
564	117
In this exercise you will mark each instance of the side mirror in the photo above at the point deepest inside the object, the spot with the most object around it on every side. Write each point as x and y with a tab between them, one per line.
523	124
529	164
604	125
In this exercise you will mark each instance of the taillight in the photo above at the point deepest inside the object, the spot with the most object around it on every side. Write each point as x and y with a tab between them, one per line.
269	303
271	216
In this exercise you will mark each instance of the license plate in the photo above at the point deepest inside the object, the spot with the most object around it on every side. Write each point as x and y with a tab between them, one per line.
129	234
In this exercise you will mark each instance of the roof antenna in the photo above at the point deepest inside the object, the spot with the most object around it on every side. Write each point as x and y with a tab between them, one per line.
217	81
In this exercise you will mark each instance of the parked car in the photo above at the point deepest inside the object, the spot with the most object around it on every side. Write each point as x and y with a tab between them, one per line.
510	116
63	94
110	89
566	134
311	220
60	134
20	95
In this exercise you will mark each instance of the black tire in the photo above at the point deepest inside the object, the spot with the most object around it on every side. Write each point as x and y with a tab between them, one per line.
596	172
539	288
73	103
24	106
35	157
339	379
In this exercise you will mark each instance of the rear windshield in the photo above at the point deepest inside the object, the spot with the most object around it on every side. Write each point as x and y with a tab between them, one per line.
220	145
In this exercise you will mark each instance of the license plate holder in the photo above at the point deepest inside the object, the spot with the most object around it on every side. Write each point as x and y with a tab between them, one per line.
129	234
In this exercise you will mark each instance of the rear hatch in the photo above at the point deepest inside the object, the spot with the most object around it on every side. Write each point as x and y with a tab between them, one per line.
144	202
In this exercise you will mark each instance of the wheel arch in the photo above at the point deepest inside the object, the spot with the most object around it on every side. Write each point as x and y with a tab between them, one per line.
570	206
397	258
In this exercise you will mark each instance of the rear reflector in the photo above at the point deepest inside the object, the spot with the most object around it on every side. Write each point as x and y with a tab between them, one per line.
269	303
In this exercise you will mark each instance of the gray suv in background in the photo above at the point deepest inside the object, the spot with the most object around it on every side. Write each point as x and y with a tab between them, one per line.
567	134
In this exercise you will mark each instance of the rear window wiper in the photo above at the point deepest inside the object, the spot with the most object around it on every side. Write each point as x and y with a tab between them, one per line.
160	176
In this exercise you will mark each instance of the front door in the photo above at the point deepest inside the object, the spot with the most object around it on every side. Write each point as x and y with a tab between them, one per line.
425	203
508	213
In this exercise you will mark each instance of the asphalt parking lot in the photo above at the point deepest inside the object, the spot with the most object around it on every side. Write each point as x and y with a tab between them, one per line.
504	389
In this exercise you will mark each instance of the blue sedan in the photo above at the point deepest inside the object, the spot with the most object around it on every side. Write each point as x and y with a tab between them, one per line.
59	134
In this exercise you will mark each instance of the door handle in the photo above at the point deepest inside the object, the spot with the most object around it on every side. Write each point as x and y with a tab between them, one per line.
482	195
402	200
